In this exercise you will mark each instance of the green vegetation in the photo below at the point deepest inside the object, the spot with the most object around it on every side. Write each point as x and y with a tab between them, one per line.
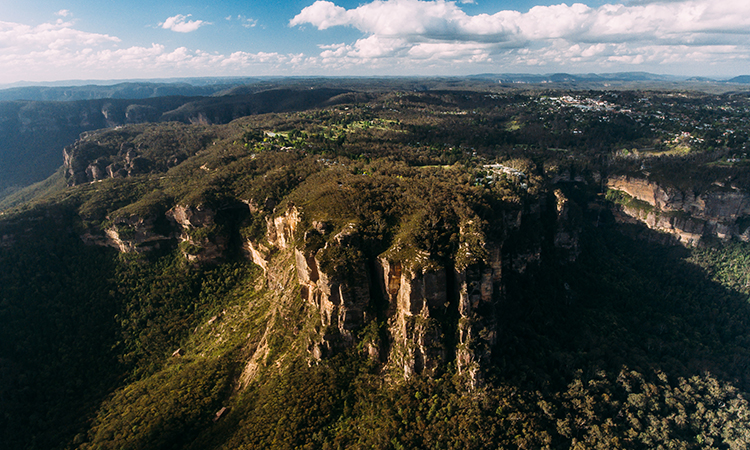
622	198
728	265
631	344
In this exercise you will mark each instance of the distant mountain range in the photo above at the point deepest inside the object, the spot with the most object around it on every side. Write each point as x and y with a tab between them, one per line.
619	77
125	90
140	89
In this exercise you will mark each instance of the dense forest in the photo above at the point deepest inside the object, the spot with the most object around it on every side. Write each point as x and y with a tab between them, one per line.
388	269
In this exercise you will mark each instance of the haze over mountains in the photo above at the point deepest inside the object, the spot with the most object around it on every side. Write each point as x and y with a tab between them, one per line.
135	89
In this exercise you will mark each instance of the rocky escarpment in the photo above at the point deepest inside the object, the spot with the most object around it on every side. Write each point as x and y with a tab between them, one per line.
721	212
33	133
425	307
87	162
131	234
341	303
414	311
567	227
193	229
428	312
200	238
132	150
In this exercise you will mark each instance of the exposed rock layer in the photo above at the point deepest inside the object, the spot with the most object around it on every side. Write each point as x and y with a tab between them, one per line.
131	234
199	239
721	212
431	311
432	314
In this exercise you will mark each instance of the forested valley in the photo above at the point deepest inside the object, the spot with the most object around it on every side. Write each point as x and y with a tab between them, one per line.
389	268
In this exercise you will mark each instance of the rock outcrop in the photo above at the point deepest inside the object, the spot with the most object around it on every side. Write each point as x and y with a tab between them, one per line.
567	227
281	230
195	230
128	151
431	313
258	253
131	234
86	162
200	239
340	290
429	310
342	303
720	212
418	302
480	290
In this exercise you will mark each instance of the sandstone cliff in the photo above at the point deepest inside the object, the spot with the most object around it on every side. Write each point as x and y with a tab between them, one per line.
127	151
431	312
194	228
200	238
567	227
423	311
721	212
132	234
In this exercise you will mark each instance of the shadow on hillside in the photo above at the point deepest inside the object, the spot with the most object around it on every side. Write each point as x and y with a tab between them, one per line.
57	332
631	300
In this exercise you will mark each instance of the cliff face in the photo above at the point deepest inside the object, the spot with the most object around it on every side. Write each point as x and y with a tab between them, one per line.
567	227
429	310
86	161
32	133
430	313
127	151
342	299
722	212
133	234
194	228
200	238
416	300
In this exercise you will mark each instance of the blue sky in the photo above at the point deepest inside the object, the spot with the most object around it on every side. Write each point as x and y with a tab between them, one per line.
52	40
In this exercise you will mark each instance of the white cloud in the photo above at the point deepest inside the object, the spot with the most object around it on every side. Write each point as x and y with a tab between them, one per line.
245	59
246	22
323	15
249	23
642	32
63	13
646	2
54	51
414	37
15	37
181	24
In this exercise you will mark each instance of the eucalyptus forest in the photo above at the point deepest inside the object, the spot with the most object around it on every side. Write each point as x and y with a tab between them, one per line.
378	266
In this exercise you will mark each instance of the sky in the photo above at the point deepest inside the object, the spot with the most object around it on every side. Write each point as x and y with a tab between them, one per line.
51	40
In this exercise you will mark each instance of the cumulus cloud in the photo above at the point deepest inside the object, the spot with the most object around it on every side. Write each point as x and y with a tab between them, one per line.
15	37
414	37
445	21
63	13
181	24
54	51
636	33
